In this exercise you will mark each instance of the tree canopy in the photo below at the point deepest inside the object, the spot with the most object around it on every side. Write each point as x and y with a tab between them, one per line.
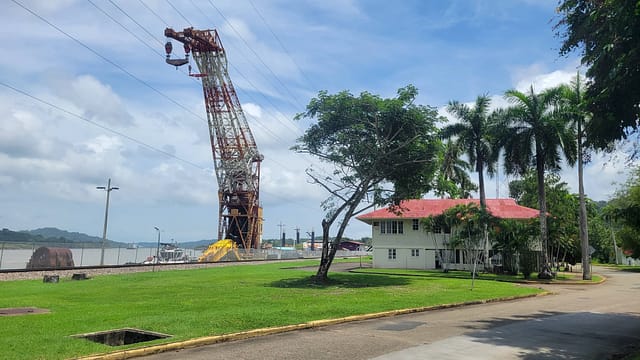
608	35
378	150
624	208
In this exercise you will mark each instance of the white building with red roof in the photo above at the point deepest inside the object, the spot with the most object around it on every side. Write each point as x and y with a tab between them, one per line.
400	240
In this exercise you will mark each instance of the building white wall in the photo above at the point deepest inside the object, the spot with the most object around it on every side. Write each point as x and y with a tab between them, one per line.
407	244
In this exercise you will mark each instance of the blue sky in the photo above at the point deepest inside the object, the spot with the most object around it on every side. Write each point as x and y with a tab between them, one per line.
94	77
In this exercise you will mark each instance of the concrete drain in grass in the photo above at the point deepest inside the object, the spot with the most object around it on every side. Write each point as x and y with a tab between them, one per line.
122	336
22	311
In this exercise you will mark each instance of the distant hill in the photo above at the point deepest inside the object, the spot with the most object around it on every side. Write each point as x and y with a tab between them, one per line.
51	232
50	236
7	235
186	244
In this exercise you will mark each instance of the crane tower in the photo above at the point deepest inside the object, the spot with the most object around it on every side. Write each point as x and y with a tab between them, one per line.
235	153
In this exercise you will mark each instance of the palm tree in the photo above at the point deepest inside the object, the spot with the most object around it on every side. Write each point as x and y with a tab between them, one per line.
473	134
453	178
574	107
533	133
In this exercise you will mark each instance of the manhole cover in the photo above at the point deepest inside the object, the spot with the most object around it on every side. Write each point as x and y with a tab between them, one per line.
122	336
22	311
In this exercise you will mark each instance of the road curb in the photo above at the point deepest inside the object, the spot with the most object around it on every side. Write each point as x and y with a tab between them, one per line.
210	340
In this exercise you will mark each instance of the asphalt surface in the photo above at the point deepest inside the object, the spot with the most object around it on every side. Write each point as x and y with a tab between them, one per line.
576	322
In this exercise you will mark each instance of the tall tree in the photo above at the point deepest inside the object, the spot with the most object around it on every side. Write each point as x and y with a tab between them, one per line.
380	150
574	107
563	209
452	179
608	35
473	134
624	208
533	134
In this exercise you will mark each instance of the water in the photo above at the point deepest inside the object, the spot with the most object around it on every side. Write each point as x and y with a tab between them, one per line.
18	259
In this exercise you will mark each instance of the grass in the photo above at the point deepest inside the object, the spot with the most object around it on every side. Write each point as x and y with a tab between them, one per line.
560	277
629	268
195	303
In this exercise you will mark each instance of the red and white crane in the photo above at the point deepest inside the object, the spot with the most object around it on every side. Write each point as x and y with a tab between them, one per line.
235	153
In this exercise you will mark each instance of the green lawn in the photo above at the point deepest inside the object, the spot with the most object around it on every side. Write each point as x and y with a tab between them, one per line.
194	303
626	268
456	274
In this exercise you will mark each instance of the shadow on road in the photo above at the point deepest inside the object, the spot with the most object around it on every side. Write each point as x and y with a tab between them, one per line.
556	335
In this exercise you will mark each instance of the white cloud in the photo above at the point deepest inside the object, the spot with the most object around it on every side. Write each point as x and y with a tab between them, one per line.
540	78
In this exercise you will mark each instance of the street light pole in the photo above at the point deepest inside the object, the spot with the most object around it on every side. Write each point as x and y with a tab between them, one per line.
108	189
157	260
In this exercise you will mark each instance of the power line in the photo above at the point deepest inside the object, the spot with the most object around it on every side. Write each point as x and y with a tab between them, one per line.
139	142
116	65
255	53
178	11
137	23
281	44
125	136
125	28
154	13
287	124
107	60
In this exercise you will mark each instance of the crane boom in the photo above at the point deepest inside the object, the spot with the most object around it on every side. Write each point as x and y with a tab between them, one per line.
235	153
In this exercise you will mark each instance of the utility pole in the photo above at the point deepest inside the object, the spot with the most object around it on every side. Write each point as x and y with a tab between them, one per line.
108	189
297	236
313	238
281	226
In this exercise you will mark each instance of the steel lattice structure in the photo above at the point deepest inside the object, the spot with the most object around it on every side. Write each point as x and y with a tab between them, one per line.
235	153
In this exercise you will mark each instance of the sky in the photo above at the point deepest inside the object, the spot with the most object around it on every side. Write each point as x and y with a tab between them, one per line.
85	95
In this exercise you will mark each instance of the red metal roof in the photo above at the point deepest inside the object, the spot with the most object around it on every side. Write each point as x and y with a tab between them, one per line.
422	208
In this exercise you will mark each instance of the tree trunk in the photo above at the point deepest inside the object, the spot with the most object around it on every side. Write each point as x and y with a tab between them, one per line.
584	232
483	206
328	252
545	271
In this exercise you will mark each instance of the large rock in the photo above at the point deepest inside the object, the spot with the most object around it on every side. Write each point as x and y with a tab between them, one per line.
51	258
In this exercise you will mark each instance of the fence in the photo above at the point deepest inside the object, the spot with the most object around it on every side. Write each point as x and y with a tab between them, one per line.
14	256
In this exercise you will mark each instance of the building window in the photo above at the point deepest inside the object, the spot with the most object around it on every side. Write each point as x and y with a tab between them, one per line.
415	252
391	227
391	253
437	229
415	224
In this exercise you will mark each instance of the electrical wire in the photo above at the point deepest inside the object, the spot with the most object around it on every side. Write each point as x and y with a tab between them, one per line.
281	44
136	22
103	127
178	11
127	137
154	13
256	54
108	60
125	28
121	69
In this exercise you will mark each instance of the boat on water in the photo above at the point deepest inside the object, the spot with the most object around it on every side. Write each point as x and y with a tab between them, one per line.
132	246
169	253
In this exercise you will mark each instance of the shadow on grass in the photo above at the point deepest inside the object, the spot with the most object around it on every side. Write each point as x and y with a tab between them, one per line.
342	280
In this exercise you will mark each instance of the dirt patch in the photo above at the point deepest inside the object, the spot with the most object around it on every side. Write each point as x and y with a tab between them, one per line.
22	311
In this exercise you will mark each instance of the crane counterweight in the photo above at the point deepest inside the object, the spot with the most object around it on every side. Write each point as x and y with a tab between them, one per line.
235	153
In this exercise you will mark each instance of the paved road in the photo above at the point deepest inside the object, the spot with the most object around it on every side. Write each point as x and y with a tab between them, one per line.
578	322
